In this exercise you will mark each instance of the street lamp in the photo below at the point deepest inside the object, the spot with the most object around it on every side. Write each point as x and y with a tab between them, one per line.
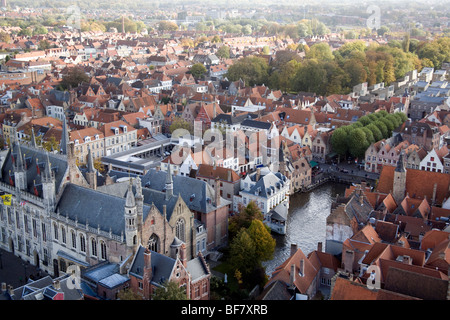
25	265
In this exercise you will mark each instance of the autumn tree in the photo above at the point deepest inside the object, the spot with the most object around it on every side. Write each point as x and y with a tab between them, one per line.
167	26
263	241
244	218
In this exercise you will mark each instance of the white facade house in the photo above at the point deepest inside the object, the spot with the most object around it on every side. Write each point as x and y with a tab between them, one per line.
270	191
432	162
292	133
55	112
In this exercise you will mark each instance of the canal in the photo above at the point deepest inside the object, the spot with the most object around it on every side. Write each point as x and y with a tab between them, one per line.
306	222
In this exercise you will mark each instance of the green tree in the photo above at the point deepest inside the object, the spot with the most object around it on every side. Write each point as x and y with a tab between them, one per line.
311	77
244	218
320	51
128	294
74	77
198	70
243	256
382	127
223	52
382	30
376	132
339	141
357	143
167	26
253	70
180	123
170	290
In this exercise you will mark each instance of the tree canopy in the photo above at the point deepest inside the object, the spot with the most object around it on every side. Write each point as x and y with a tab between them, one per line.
354	139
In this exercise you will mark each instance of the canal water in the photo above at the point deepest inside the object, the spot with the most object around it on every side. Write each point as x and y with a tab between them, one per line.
306	222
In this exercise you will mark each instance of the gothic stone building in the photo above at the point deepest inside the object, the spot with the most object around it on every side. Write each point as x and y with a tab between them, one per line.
56	218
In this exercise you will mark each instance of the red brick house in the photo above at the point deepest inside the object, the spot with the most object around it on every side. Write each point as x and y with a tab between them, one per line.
150	270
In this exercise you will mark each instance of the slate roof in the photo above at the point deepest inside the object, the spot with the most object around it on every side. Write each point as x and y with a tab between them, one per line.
256	124
94	207
197	269
33	289
33	158
267	184
162	266
154	182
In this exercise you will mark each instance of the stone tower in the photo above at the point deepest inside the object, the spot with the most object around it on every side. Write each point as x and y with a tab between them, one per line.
169	183
139	198
131	219
91	174
48	185
399	183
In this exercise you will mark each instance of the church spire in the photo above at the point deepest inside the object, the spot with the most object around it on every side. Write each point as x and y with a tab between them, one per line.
130	201
48	169
169	183
33	138
19	158
64	138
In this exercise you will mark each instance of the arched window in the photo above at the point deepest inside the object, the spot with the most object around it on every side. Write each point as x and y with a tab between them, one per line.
93	247
55	229
103	249
63	234
74	239
82	243
179	230
153	243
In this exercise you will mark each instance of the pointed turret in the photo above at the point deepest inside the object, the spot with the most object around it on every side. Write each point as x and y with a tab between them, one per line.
48	184
169	183
48	174
131	223
33	138
19	164
130	201
91	174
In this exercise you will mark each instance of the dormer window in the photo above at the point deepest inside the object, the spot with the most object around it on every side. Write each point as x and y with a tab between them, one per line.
87	139
97	137
77	142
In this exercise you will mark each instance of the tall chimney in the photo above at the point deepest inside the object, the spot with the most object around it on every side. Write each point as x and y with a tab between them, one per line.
319	246
292	275
302	267
258	174
293	249
433	200
217	191
147	273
